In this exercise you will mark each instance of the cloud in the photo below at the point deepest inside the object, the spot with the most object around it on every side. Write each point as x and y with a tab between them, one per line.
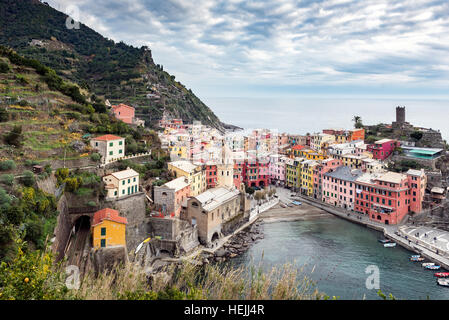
230	44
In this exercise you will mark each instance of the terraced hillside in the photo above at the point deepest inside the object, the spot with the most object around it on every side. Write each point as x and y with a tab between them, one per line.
114	71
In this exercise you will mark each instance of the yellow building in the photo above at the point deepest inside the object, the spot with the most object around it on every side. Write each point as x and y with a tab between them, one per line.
307	168
351	160
178	151
293	172
108	229
310	154
195	175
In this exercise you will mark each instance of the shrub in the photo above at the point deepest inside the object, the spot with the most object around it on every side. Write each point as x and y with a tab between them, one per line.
48	169
5	198
95	157
31	276
92	204
72	184
14	137
62	174
7	165
7	179
4	67
4	115
27	178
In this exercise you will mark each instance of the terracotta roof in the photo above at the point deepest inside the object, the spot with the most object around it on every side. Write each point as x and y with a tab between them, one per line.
108	214
298	147
107	137
122	105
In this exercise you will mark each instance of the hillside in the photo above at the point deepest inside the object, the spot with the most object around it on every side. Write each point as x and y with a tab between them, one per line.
113	71
44	119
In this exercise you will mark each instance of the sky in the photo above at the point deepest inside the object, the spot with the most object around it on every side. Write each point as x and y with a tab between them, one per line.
285	47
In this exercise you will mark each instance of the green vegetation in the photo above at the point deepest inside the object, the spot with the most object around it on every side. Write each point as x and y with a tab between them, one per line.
405	165
7	165
120	72
417	135
357	122
31	275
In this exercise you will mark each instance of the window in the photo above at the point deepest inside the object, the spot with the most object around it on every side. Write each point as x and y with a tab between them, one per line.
111	144
110	153
115	193
120	143
103	231
120	151
103	243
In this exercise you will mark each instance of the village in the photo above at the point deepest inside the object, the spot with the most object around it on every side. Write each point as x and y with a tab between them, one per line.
222	182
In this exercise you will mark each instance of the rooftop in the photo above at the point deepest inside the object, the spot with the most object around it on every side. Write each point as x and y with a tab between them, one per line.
214	197
108	214
128	173
392	177
383	141
345	173
177	184
108	137
183	165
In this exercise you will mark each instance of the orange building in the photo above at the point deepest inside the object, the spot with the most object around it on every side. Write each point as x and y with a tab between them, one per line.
124	113
357	134
108	229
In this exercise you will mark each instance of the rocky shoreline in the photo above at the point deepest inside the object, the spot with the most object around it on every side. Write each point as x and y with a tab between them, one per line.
238	244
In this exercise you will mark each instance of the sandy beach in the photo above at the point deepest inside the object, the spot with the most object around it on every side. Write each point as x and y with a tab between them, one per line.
302	212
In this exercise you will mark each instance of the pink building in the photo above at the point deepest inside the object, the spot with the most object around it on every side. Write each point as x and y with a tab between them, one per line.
388	197
276	169
339	187
170	197
382	149
211	175
323	167
124	113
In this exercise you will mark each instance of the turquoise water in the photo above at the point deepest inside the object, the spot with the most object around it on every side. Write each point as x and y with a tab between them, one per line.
339	252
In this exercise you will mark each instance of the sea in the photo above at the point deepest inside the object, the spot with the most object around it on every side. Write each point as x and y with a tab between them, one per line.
301	115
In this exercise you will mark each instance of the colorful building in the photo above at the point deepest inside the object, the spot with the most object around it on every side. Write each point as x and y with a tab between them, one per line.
121	183
108	229
194	173
323	167
211	175
388	197
306	173
382	149
356	134
296	150
339	187
255	173
170	197
124	113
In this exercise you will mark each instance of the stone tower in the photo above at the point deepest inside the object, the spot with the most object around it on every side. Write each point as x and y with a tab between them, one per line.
400	115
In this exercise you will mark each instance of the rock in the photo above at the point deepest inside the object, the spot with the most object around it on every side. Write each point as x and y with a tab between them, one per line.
232	255
220	252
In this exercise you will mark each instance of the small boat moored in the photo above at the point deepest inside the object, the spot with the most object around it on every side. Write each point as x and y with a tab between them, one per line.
417	259
390	245
443	282
416	256
426	264
434	267
384	240
441	274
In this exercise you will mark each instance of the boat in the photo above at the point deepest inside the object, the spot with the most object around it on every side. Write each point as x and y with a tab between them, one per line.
426	264
417	259
389	245
416	256
434	267
443	282
441	274
297	203
384	240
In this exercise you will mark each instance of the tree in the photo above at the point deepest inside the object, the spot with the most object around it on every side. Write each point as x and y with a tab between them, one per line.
416	135
4	67
27	178
357	122
14	137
